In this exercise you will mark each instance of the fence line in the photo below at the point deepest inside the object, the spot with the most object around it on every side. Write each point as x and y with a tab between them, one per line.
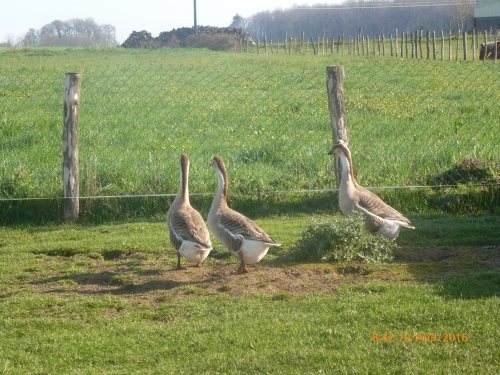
356	44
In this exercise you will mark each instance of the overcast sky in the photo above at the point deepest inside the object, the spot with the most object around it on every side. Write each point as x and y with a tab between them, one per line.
18	16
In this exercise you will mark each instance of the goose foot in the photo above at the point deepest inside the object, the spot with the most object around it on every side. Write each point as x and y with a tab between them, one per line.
242	268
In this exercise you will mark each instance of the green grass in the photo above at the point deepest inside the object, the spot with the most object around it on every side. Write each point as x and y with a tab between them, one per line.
53	323
410	121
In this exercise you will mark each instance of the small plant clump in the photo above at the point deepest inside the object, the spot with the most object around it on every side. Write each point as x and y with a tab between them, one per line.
341	239
469	171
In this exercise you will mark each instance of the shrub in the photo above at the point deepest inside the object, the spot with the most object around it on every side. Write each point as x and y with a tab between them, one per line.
340	239
468	171
220	42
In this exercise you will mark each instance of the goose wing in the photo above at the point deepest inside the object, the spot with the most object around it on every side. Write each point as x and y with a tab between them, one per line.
236	228
188	225
372	222
372	204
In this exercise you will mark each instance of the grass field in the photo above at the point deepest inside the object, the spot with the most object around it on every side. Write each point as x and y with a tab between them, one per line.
411	123
106	299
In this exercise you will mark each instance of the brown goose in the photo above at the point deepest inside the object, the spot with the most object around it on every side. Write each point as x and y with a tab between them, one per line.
240	235
188	232
380	218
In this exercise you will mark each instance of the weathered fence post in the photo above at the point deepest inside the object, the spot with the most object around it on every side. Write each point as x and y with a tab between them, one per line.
335	90
428	44
473	42
485	45
495	48
343	38
465	45
71	191
449	42
396	44
442	45
434	55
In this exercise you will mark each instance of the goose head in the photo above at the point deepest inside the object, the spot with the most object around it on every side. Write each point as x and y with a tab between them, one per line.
344	162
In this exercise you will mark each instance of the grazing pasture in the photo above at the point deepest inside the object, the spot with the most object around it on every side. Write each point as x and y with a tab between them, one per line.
411	123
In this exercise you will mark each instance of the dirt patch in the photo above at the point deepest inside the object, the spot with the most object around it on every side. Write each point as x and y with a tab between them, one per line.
141	276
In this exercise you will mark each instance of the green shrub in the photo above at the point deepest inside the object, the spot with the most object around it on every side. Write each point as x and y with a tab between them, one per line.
221	42
340	239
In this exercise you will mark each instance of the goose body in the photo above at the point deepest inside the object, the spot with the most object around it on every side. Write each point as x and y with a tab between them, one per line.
188	232
380	218
241	236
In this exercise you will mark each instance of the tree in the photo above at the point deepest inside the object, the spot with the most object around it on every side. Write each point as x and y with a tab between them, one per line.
76	32
463	13
238	22
31	38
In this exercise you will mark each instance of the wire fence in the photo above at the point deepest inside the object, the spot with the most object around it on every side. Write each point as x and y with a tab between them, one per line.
411	124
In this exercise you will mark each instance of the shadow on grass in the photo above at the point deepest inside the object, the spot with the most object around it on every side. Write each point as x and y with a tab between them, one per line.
476	286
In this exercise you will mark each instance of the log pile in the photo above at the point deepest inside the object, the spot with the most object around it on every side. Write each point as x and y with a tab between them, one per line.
143	39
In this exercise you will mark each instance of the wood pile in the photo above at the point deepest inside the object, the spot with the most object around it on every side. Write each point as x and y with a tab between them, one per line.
143	39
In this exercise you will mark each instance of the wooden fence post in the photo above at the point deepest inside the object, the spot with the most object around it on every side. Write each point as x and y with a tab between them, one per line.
473	42
396	45
434	55
495	48
485	45
335	90
465	45
449	42
428	44
442	45
70	146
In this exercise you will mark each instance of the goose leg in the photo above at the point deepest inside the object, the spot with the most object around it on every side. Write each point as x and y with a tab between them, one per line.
178	261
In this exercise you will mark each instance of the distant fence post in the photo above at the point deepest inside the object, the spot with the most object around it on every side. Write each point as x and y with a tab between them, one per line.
70	146
335	89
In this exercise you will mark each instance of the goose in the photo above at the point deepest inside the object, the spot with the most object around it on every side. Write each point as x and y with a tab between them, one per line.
240	235
188	233
380	218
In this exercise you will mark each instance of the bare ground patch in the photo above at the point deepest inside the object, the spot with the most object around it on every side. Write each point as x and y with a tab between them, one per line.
150	278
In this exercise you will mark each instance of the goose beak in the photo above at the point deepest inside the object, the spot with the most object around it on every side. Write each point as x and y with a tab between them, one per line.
330	152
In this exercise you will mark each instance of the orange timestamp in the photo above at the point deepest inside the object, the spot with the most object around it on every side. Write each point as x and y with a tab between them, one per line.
444	337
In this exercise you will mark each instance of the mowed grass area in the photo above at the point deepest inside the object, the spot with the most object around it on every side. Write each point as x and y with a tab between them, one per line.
106	299
410	123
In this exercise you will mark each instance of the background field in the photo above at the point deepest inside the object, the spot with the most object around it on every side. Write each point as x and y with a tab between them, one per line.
411	123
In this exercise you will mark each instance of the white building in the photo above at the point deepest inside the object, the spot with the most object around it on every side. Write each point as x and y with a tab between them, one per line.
487	15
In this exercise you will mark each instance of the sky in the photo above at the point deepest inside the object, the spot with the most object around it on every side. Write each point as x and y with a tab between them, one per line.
154	16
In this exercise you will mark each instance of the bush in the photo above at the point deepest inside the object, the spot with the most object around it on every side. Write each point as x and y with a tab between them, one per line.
468	171
341	239
220	42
